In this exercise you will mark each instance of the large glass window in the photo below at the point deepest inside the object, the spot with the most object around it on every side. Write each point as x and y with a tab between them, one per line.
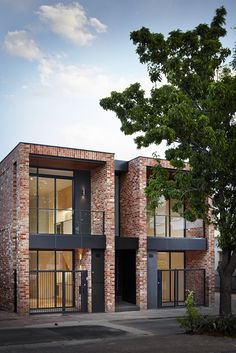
46	190
45	280
165	222
50	203
64	206
33	204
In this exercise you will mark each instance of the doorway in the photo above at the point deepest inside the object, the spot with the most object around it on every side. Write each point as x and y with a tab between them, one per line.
170	274
125	271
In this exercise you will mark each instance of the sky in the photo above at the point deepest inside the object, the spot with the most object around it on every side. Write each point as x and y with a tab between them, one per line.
58	59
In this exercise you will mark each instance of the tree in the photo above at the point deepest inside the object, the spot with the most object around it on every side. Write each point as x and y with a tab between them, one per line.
195	113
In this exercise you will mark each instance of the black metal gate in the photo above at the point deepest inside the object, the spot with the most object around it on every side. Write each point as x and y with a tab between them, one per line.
58	291
173	286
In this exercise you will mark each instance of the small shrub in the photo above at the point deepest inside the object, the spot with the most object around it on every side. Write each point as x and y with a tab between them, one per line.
190	321
193	322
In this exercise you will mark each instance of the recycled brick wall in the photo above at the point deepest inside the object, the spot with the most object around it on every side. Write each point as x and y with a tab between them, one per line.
103	199
205	260
7	234
14	229
194	281
133	221
195	229
14	226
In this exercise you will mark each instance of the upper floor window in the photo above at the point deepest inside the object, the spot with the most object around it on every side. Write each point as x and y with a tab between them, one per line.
50	202
165	222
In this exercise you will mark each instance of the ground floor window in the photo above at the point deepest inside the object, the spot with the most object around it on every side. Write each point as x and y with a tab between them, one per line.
172	281
47	280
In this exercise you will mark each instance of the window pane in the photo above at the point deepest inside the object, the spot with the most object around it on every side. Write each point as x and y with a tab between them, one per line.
55	172
64	193
177	227
177	260
166	286
64	260
162	226
33	220
46	193
32	260
64	206
64	222
163	208
32	192
46	221
163	262
46	260
46	205
32	170
150	224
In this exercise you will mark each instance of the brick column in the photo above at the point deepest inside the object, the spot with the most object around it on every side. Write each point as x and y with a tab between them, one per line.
22	229
102	199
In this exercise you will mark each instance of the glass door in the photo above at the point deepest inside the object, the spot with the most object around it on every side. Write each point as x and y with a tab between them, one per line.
171	266
64	286
51	279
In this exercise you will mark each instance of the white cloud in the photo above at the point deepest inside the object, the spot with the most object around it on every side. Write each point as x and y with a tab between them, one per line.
83	80
99	26
19	43
71	22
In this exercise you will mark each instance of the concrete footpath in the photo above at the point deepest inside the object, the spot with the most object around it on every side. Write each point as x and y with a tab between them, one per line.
12	320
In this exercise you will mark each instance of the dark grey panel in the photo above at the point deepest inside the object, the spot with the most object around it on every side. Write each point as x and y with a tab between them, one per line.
176	244
121	166
82	202
67	241
98	281
123	243
152	280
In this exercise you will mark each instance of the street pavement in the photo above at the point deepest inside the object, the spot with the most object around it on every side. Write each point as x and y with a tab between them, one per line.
128	336
126	332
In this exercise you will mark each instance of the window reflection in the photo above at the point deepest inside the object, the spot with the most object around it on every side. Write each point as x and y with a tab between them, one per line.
165	222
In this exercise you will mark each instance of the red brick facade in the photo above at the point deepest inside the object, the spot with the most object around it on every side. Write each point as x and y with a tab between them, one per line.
134	224
14	223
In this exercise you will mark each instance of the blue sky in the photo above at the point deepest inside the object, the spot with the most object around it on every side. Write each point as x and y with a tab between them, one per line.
59	58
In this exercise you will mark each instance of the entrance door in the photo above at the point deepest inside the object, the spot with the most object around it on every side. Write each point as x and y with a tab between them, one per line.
170	278
126	276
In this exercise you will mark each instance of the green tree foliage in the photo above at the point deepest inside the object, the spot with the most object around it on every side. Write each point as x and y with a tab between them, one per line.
195	113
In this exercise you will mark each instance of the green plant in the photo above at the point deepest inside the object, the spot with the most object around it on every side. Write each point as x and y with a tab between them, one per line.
190	321
194	323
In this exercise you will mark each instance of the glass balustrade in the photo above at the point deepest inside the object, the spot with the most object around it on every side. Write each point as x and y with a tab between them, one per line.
66	221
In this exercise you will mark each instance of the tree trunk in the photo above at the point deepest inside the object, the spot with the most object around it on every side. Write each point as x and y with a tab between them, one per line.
225	292
226	268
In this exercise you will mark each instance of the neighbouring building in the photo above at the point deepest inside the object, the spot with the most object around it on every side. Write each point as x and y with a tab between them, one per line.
75	235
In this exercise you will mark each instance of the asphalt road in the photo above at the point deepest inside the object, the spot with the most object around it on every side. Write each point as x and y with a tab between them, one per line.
123	336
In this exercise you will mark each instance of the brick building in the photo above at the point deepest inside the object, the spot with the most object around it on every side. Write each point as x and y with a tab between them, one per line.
75	234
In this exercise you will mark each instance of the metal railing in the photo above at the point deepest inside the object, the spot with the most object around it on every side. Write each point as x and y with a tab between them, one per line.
66	221
173	226
174	286
58	291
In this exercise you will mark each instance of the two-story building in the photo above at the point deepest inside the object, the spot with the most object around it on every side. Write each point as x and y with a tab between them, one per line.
75	235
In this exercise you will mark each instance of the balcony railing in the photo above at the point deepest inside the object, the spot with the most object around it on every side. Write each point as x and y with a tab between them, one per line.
66	221
173	226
